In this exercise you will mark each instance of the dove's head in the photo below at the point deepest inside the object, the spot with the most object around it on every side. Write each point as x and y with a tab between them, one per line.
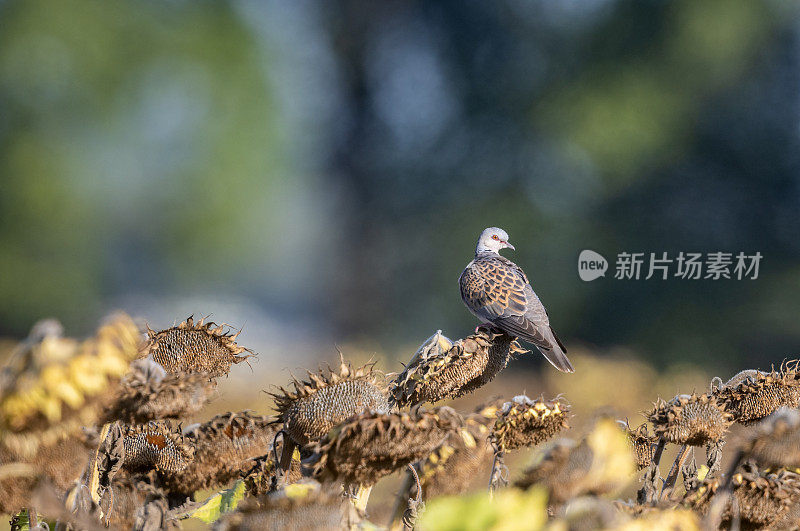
492	240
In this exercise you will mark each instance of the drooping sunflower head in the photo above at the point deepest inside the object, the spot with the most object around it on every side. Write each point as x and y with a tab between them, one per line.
449	370
156	445
224	449
763	497
642	442
690	419
149	393
196	347
369	446
327	398
776	440
753	395
54	386
523	422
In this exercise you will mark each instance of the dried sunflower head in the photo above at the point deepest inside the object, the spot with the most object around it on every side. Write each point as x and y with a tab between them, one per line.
763	497
776	441
752	395
642	443
524	422
467	365
156	445
694	420
302	506
223	450
59	464
196	347
369	446
315	406
129	493
599	464
54	386
453	466
259	479
149	393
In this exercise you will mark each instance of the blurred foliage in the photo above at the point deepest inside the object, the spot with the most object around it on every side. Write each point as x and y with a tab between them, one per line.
333	162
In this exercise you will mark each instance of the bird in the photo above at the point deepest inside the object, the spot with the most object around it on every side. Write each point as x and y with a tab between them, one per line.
497	291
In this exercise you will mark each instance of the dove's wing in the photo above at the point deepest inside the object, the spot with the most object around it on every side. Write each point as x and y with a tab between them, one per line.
496	290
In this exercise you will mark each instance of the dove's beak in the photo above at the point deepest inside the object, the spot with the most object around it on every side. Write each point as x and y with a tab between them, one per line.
506	244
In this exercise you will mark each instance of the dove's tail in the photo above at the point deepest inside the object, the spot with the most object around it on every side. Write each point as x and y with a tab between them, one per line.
557	353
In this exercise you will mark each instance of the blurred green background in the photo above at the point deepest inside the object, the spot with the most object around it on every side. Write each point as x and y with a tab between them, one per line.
318	171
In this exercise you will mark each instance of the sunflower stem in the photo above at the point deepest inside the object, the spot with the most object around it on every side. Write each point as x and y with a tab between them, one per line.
669	483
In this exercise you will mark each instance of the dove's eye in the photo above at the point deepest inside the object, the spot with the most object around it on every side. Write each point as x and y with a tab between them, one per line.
494	237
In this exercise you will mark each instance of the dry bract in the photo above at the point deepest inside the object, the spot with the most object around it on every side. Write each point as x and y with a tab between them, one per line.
469	364
763	497
196	347
149	393
318	404
369	446
524	422
693	420
223	448
753	395
156	446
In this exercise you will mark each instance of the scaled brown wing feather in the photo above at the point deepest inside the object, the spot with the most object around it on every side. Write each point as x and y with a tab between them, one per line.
497	291
493	290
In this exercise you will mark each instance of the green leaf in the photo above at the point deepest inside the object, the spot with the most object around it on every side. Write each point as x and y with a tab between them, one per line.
21	521
220	503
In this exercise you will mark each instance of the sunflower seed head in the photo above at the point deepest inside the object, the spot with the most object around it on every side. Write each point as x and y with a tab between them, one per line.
148	393
452	467
196	347
318	404
467	365
156	445
600	463
763	496
523	422
223	450
776	441
642	443
369	446
753	395
306	505
693	419
56	386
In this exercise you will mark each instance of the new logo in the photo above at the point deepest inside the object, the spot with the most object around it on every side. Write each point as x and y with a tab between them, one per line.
591	265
